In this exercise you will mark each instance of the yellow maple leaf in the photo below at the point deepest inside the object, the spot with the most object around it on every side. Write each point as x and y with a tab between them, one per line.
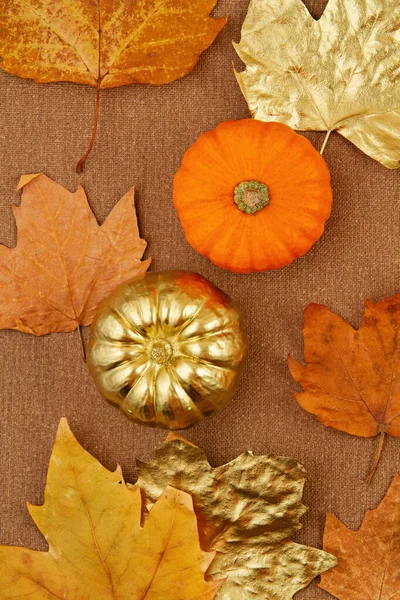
97	547
105	43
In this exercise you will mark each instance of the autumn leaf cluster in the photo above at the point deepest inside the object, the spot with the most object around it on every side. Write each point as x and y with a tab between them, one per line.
186	531
202	532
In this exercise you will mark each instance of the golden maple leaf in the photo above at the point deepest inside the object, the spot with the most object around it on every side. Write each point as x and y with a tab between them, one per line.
105	43
97	547
368	559
247	511
64	263
339	73
351	379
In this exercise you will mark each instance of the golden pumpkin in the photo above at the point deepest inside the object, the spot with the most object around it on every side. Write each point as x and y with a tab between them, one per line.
167	348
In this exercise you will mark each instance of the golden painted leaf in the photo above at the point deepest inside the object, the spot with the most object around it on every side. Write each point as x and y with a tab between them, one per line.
352	377
247	511
97	547
368	559
64	263
340	73
105	43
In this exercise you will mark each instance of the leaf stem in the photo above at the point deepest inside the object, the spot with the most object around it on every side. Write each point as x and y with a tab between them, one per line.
328	133
377	457
82	343
80	164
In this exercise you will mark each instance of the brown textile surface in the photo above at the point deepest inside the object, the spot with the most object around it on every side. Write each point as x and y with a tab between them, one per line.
142	136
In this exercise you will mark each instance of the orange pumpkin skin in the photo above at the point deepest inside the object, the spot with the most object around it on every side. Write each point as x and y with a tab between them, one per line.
298	189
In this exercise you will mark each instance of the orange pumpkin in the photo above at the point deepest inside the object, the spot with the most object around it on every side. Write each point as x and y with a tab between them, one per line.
252	196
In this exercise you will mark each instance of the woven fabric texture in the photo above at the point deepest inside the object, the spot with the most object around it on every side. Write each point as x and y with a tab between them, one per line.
142	136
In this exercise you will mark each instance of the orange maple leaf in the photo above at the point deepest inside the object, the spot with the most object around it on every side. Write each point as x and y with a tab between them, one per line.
64	263
105	43
368	559
352	377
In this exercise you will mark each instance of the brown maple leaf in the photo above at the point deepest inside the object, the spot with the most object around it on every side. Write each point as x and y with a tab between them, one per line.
64	263
98	549
352	377
105	43
368	559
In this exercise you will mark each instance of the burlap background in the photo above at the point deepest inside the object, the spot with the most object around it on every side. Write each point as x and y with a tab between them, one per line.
143	134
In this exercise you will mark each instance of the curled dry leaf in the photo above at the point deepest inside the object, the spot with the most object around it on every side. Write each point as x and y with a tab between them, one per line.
368	559
97	547
352	377
64	263
340	73
247	511
105	44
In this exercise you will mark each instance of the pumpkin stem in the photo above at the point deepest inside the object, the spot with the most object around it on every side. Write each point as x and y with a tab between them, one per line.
328	133
161	351
377	457
251	196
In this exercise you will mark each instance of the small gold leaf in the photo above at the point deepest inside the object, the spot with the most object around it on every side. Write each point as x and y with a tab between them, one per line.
247	511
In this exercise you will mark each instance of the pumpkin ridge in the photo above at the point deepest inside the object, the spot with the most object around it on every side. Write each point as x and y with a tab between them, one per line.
125	321
214	403
190	320
192	403
207	363
238	232
206	334
190	159
136	383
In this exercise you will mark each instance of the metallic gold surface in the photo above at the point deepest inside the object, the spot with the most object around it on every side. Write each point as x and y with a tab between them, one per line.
247	511
340	73
168	348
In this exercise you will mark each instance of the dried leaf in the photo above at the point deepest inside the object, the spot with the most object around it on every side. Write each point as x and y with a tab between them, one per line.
247	511
368	559
352	377
64	263
97	547
105	44
339	73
